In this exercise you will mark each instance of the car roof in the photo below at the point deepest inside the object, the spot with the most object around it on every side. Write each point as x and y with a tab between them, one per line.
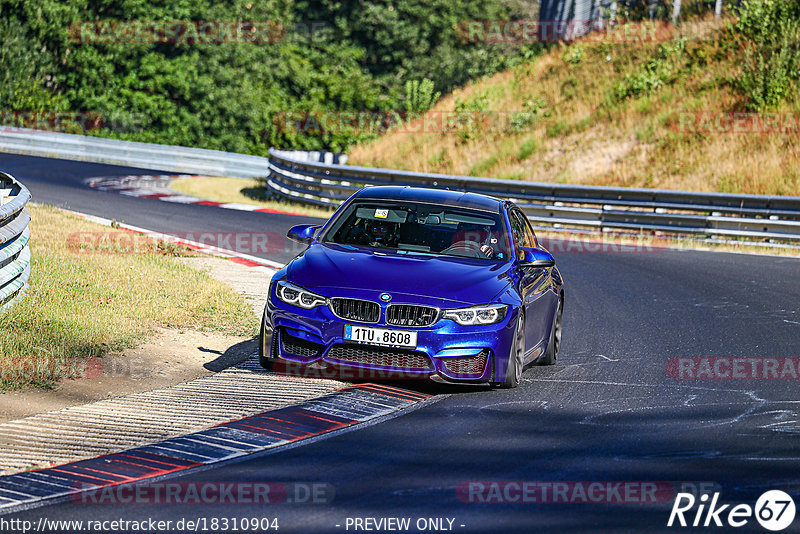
443	197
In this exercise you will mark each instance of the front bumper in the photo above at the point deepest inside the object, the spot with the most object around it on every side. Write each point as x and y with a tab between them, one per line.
445	350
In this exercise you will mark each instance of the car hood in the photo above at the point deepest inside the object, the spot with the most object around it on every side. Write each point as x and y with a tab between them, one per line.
455	280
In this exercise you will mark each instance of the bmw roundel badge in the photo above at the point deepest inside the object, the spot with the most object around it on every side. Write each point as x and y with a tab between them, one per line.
386	297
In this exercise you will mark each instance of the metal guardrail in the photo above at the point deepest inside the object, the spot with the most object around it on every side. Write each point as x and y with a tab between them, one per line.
561	205
15	254
178	159
290	175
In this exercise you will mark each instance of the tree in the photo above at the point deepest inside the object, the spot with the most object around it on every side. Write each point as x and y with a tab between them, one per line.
676	11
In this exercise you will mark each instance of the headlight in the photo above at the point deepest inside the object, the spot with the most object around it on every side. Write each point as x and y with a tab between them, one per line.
297	296
488	314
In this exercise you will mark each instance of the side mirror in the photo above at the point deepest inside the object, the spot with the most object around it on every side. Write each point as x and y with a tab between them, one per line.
536	257
303	233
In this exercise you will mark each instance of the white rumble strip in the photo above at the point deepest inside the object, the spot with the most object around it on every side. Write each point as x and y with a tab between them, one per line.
113	425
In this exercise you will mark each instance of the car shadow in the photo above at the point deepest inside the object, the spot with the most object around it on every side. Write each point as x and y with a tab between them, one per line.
233	355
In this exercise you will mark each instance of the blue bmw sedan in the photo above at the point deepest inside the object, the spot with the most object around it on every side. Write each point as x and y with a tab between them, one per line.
418	282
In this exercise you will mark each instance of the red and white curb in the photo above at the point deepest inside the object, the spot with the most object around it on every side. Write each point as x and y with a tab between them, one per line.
268	430
156	186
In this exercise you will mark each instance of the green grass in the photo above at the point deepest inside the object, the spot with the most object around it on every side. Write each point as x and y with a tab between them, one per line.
527	148
96	289
482	167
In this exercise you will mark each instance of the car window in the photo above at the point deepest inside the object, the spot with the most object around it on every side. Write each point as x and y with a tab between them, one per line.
523	236
421	229
529	230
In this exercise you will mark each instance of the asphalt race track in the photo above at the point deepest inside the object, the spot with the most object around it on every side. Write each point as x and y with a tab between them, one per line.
609	411
60	183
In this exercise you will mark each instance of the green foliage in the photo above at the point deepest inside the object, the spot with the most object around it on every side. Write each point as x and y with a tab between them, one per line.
534	110
558	128
528	147
772	56
24	72
238	96
420	96
573	54
483	166
470	115
419	39
660	70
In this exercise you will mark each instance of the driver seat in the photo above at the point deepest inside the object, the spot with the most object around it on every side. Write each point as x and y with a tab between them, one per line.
474	233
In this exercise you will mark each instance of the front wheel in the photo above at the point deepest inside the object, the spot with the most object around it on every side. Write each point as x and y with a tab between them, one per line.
516	357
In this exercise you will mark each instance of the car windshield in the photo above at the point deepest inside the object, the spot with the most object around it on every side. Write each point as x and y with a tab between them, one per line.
421	229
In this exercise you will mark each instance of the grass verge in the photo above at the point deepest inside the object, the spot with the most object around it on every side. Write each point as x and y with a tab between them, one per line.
92	292
241	190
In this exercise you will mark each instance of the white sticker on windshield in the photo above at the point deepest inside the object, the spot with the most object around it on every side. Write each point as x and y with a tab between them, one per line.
381	214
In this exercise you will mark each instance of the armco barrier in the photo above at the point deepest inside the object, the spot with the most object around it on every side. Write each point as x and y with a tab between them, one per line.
560	205
177	159
15	255
291	175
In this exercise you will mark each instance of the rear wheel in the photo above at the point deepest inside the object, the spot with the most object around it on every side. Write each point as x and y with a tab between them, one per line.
551	354
516	358
266	347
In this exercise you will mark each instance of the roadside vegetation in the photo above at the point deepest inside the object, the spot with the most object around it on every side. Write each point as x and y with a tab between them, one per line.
630	111
180	72
96	289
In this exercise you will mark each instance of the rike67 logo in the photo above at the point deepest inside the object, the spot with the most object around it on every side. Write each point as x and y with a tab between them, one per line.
774	510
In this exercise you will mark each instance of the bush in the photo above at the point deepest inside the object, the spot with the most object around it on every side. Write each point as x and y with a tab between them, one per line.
242	96
420	96
772	31
660	70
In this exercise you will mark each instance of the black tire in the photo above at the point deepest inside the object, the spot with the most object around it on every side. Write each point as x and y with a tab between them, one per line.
554	344
266	346
516	358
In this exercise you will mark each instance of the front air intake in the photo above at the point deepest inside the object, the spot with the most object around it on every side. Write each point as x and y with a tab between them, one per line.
362	311
411	315
466	365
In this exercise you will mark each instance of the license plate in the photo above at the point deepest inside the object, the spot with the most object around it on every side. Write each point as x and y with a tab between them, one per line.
380	336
